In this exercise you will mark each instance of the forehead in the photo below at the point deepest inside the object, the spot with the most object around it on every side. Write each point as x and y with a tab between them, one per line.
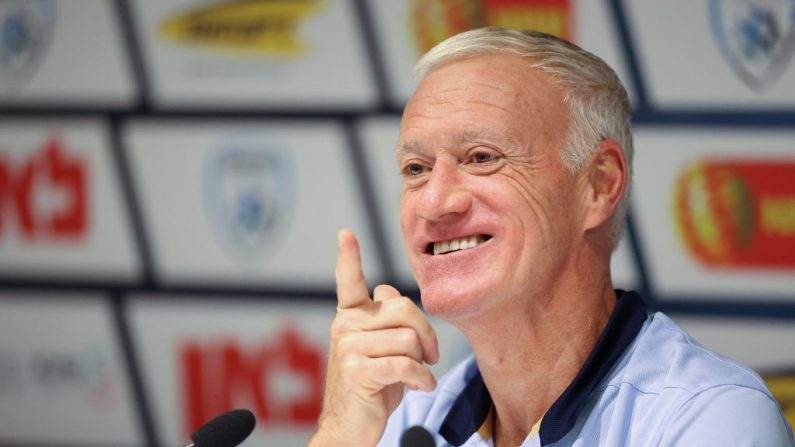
494	97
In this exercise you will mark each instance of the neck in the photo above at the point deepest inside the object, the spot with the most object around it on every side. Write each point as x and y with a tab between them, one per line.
542	344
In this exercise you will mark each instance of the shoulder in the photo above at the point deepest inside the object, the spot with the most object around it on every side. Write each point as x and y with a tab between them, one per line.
728	415
698	397
664	358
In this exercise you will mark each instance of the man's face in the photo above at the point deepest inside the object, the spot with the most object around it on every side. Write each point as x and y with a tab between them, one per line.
479	152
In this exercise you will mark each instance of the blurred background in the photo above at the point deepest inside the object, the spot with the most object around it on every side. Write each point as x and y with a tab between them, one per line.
173	175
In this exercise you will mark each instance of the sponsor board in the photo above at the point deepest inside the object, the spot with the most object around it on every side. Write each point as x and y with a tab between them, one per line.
764	345
260	53
716	211
61	372
379	138
269	357
61	211
408	28
39	43
744	51
247	203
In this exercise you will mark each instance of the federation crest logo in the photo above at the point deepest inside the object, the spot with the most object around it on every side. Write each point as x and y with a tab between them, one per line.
755	37
249	190
26	28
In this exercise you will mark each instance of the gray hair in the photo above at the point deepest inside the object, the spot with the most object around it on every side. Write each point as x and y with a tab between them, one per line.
597	101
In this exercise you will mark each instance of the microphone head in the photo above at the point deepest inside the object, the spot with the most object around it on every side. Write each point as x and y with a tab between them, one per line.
417	436
226	430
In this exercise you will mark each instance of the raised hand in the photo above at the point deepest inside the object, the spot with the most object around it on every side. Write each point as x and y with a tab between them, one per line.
377	346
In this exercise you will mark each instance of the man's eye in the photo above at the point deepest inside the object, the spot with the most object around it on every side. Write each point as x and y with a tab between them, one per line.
483	157
413	169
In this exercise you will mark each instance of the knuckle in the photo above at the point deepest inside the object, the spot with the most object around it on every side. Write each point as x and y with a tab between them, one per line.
401	365
408	337
400	305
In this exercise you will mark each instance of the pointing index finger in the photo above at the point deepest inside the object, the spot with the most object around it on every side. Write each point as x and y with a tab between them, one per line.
351	285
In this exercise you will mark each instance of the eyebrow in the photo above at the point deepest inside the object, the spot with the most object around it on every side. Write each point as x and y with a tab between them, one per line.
460	138
406	147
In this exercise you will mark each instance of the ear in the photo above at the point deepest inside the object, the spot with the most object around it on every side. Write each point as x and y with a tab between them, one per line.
608	174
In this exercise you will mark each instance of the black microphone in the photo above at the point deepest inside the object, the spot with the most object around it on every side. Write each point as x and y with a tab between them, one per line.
417	436
226	430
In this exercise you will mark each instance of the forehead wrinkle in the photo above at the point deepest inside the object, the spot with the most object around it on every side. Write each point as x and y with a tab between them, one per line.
473	83
466	136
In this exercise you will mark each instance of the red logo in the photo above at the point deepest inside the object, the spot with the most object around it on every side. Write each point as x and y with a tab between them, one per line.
280	380
738	213
435	20
45	196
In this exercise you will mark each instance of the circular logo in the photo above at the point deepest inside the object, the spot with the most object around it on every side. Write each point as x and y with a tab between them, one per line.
249	189
756	37
26	28
714	212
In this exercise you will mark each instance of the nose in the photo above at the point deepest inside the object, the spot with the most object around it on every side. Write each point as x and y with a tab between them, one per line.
443	195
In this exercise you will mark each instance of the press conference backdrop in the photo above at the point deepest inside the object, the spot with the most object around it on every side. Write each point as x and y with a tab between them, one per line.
173	175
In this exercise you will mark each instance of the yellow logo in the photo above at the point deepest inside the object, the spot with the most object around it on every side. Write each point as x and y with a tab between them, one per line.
783	389
257	27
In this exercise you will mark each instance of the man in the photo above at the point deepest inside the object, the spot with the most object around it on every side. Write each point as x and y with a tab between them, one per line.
515	152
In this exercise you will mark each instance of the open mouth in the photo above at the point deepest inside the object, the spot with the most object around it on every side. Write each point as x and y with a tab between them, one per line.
463	243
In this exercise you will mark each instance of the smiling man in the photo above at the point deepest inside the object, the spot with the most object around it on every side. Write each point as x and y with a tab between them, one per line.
515	152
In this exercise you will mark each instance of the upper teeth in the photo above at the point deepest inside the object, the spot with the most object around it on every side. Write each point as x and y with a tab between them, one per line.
456	244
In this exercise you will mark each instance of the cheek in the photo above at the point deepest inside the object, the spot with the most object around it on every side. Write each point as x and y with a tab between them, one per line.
522	192
406	212
537	200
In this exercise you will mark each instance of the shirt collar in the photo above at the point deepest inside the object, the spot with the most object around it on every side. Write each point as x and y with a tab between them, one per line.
472	406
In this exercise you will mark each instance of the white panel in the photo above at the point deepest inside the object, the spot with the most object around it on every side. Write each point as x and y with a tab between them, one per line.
248	203
400	31
379	137
62	377
255	54
690	52
597	32
195	360
64	215
63	52
622	266
666	154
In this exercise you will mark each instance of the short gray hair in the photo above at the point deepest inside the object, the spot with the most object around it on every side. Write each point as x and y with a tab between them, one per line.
596	99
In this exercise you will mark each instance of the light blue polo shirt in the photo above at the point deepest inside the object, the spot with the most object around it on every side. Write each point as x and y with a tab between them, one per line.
646	383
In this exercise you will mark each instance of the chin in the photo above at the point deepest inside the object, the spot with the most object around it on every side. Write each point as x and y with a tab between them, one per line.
452	303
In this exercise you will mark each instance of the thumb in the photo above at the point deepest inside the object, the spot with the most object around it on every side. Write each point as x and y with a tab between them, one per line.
385	291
